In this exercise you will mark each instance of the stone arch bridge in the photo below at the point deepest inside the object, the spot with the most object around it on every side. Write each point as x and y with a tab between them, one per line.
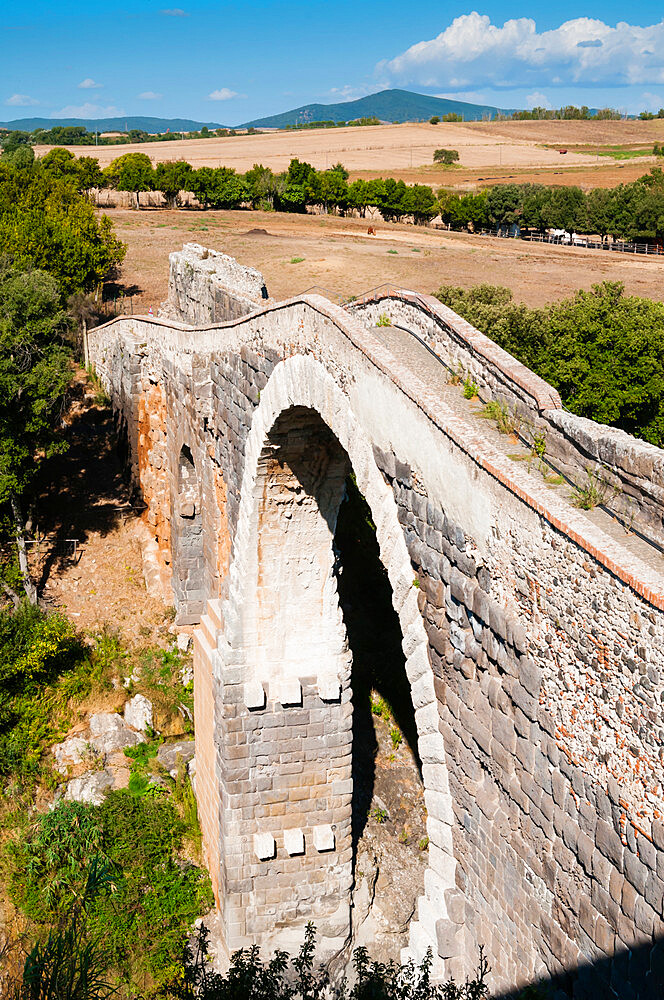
533	631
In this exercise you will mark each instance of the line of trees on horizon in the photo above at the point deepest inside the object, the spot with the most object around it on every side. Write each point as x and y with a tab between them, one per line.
633	211
80	135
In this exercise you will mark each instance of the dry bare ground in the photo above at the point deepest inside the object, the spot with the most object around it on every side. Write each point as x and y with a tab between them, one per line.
340	256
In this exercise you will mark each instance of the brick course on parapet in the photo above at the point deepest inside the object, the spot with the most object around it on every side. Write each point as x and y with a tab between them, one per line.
533	634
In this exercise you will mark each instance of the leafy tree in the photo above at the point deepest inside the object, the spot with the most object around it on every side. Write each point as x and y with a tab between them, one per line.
89	175
61	164
35	374
263	186
446	156
20	156
601	349
131	172
334	188
170	178
14	140
45	223
420	202
434	120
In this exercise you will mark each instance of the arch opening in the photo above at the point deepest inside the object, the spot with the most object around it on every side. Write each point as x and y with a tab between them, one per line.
294	744
383	712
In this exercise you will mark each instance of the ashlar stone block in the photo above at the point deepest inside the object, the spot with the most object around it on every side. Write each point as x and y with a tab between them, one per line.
264	846
329	687
294	841
254	695
289	691
323	838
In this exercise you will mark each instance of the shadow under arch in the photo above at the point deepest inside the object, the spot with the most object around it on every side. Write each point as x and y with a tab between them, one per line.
283	644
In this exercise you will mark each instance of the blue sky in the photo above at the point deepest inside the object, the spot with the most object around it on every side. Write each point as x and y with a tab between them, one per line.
236	61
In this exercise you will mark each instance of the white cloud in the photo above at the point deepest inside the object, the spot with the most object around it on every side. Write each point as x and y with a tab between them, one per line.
537	100
224	94
473	52
89	84
149	95
174	12
652	102
348	93
21	101
87	110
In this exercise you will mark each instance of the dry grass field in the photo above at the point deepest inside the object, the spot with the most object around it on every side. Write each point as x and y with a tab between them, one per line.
379	147
338	255
490	152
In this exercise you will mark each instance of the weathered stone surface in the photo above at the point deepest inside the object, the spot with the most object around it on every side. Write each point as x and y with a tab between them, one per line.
90	788
109	732
533	635
170	754
138	712
71	751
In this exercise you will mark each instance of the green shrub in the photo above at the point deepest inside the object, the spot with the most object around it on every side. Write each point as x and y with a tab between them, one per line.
42	664
152	896
286	977
469	388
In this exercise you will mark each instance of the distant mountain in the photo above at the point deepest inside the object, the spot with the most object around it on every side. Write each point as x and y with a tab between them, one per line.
388	105
112	124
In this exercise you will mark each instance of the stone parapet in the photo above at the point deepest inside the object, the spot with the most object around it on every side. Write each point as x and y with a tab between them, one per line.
632	470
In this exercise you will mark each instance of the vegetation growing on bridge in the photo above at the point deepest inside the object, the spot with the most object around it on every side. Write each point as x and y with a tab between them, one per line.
602	350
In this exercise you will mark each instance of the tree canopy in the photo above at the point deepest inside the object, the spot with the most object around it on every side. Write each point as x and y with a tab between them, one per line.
603	350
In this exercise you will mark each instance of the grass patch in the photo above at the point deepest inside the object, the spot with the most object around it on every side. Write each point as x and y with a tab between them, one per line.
296	260
506	422
151	897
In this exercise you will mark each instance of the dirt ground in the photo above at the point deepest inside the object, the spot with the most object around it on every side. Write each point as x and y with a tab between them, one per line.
341	258
100	583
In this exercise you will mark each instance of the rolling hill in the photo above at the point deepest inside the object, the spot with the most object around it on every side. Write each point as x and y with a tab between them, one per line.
112	124
387	105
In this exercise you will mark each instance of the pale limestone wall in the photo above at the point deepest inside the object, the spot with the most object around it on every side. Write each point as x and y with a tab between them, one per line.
534	642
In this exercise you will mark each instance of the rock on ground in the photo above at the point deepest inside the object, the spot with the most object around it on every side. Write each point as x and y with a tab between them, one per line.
109	732
138	712
70	752
89	788
168	754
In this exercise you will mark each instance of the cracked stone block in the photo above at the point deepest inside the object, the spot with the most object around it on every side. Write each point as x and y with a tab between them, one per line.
294	841
290	691
138	712
254	694
264	846
329	687
324	837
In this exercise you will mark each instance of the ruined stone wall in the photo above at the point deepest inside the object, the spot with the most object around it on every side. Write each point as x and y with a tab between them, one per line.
544	642
205	286
633	470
